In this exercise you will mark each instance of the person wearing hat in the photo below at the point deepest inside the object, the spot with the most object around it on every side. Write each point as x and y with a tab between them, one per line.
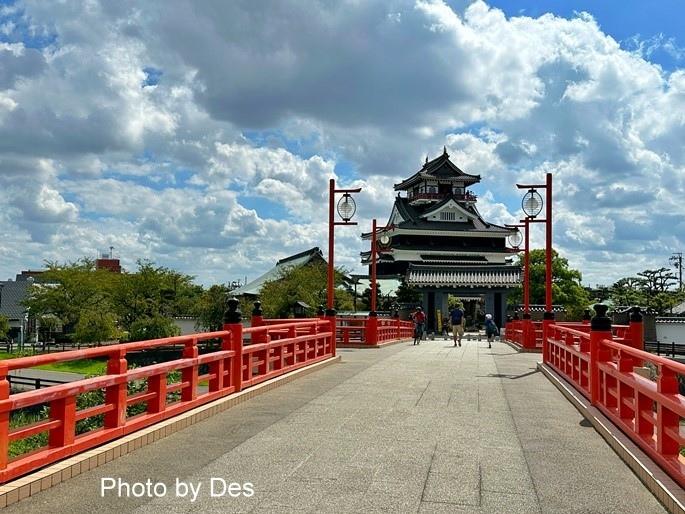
491	329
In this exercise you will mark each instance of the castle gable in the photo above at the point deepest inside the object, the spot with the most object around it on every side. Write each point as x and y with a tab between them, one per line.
448	211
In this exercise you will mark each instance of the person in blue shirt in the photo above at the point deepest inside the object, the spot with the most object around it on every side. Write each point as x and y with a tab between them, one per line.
457	320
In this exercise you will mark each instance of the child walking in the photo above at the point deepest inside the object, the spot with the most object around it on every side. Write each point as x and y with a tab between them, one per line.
491	329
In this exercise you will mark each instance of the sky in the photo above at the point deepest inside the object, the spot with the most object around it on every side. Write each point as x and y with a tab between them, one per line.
201	136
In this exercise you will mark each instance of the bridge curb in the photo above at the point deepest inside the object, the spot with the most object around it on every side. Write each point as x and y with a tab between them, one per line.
361	346
28	485
669	493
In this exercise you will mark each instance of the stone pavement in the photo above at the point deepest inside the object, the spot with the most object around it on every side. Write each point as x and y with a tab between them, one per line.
26	379
405	429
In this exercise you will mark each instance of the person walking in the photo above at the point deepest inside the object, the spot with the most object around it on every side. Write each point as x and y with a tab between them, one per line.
419	318
491	329
457	320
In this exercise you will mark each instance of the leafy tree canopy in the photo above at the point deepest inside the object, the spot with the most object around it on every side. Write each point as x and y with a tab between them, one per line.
566	284
650	288
307	284
210	306
408	294
97	305
4	328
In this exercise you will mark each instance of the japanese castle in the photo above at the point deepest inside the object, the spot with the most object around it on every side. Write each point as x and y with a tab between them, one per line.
439	243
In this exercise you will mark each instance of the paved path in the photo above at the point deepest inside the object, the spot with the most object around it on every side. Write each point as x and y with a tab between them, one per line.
26	379
405	429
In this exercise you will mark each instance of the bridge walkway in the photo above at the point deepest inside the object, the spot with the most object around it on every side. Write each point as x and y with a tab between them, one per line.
406	429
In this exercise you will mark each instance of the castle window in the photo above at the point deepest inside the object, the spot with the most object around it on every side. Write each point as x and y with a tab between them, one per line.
448	216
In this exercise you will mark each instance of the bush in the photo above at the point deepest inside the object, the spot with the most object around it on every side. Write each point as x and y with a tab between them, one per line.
93	398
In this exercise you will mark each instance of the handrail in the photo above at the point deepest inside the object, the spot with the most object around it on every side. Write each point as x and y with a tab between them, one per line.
637	391
287	345
277	346
372	330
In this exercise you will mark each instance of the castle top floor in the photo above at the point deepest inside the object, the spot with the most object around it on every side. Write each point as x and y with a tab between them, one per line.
436	180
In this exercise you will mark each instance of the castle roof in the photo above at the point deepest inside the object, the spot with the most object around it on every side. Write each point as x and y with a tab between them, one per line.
406	217
464	276
440	169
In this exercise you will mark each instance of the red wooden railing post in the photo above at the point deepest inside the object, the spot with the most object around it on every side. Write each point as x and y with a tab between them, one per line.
4	415
330	316
666	419
547	321
600	329
117	393
189	374
233	323
64	409
157	384
371	329
398	325
527	331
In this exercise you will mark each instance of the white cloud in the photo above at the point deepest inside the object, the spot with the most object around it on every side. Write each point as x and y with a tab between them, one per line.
203	135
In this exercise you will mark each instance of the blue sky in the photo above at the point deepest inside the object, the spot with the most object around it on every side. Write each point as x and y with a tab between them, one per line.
630	22
202	135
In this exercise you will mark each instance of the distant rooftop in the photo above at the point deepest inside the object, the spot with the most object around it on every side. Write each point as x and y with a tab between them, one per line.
255	286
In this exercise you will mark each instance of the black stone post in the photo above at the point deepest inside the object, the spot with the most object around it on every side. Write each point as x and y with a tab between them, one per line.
600	321
587	317
637	333
600	329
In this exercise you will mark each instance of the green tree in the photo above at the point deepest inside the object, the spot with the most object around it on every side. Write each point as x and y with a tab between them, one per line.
656	286
72	290
366	298
153	327
210	306
95	327
97	305
146	301
306	283
407	294
4	328
628	291
651	288
566	287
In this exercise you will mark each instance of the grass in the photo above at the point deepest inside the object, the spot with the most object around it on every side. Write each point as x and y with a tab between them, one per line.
21	446
83	366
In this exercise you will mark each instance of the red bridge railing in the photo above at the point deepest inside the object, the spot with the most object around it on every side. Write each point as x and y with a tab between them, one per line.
524	333
371	331
275	349
638	391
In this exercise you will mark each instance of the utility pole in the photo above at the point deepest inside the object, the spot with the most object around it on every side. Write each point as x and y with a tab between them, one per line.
677	260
